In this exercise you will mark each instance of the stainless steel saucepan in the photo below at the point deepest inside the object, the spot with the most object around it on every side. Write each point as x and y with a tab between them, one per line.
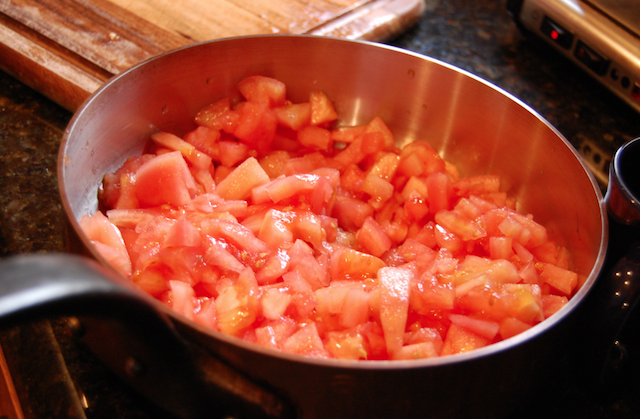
196	372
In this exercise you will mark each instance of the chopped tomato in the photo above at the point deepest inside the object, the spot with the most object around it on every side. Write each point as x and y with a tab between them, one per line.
189	152
232	152
237	305
372	237
270	223
165	179
460	339
485	328
306	341
561	279
108	239
264	90
347	263
322	110
294	116
346	345
394	305
256	126
315	138
239	182
218	116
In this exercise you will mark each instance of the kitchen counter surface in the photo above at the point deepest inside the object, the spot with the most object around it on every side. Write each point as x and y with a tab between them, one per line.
56	376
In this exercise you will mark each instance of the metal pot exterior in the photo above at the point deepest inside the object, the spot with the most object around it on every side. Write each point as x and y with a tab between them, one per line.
490	385
471	123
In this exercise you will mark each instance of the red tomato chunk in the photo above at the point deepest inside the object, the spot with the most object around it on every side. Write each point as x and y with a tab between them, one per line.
269	223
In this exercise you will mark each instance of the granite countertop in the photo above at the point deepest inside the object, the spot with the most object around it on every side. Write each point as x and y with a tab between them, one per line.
65	381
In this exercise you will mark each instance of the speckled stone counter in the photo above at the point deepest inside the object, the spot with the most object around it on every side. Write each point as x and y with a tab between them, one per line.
57	377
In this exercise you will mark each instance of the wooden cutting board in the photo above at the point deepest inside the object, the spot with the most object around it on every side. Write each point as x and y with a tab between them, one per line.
66	49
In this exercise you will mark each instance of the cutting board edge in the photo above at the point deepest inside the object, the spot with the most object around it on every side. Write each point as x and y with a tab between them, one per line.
374	18
53	72
68	80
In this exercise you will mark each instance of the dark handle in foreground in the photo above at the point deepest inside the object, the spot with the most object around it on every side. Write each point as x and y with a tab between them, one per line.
139	342
149	354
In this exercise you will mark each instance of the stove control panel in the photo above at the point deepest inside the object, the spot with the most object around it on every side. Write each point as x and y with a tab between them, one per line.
589	36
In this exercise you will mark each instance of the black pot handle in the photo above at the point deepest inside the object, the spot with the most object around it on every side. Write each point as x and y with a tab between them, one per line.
179	377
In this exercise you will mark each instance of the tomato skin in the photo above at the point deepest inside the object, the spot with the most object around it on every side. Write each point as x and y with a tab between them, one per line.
288	187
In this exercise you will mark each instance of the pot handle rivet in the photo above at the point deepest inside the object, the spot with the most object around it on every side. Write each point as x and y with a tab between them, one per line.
75	327
134	368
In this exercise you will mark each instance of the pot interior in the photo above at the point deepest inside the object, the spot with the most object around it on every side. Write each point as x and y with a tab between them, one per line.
471	123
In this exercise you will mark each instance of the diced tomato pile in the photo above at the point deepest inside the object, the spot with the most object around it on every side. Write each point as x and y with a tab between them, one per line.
269	223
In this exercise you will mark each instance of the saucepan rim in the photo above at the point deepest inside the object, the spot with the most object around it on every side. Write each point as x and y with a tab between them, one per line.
493	349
